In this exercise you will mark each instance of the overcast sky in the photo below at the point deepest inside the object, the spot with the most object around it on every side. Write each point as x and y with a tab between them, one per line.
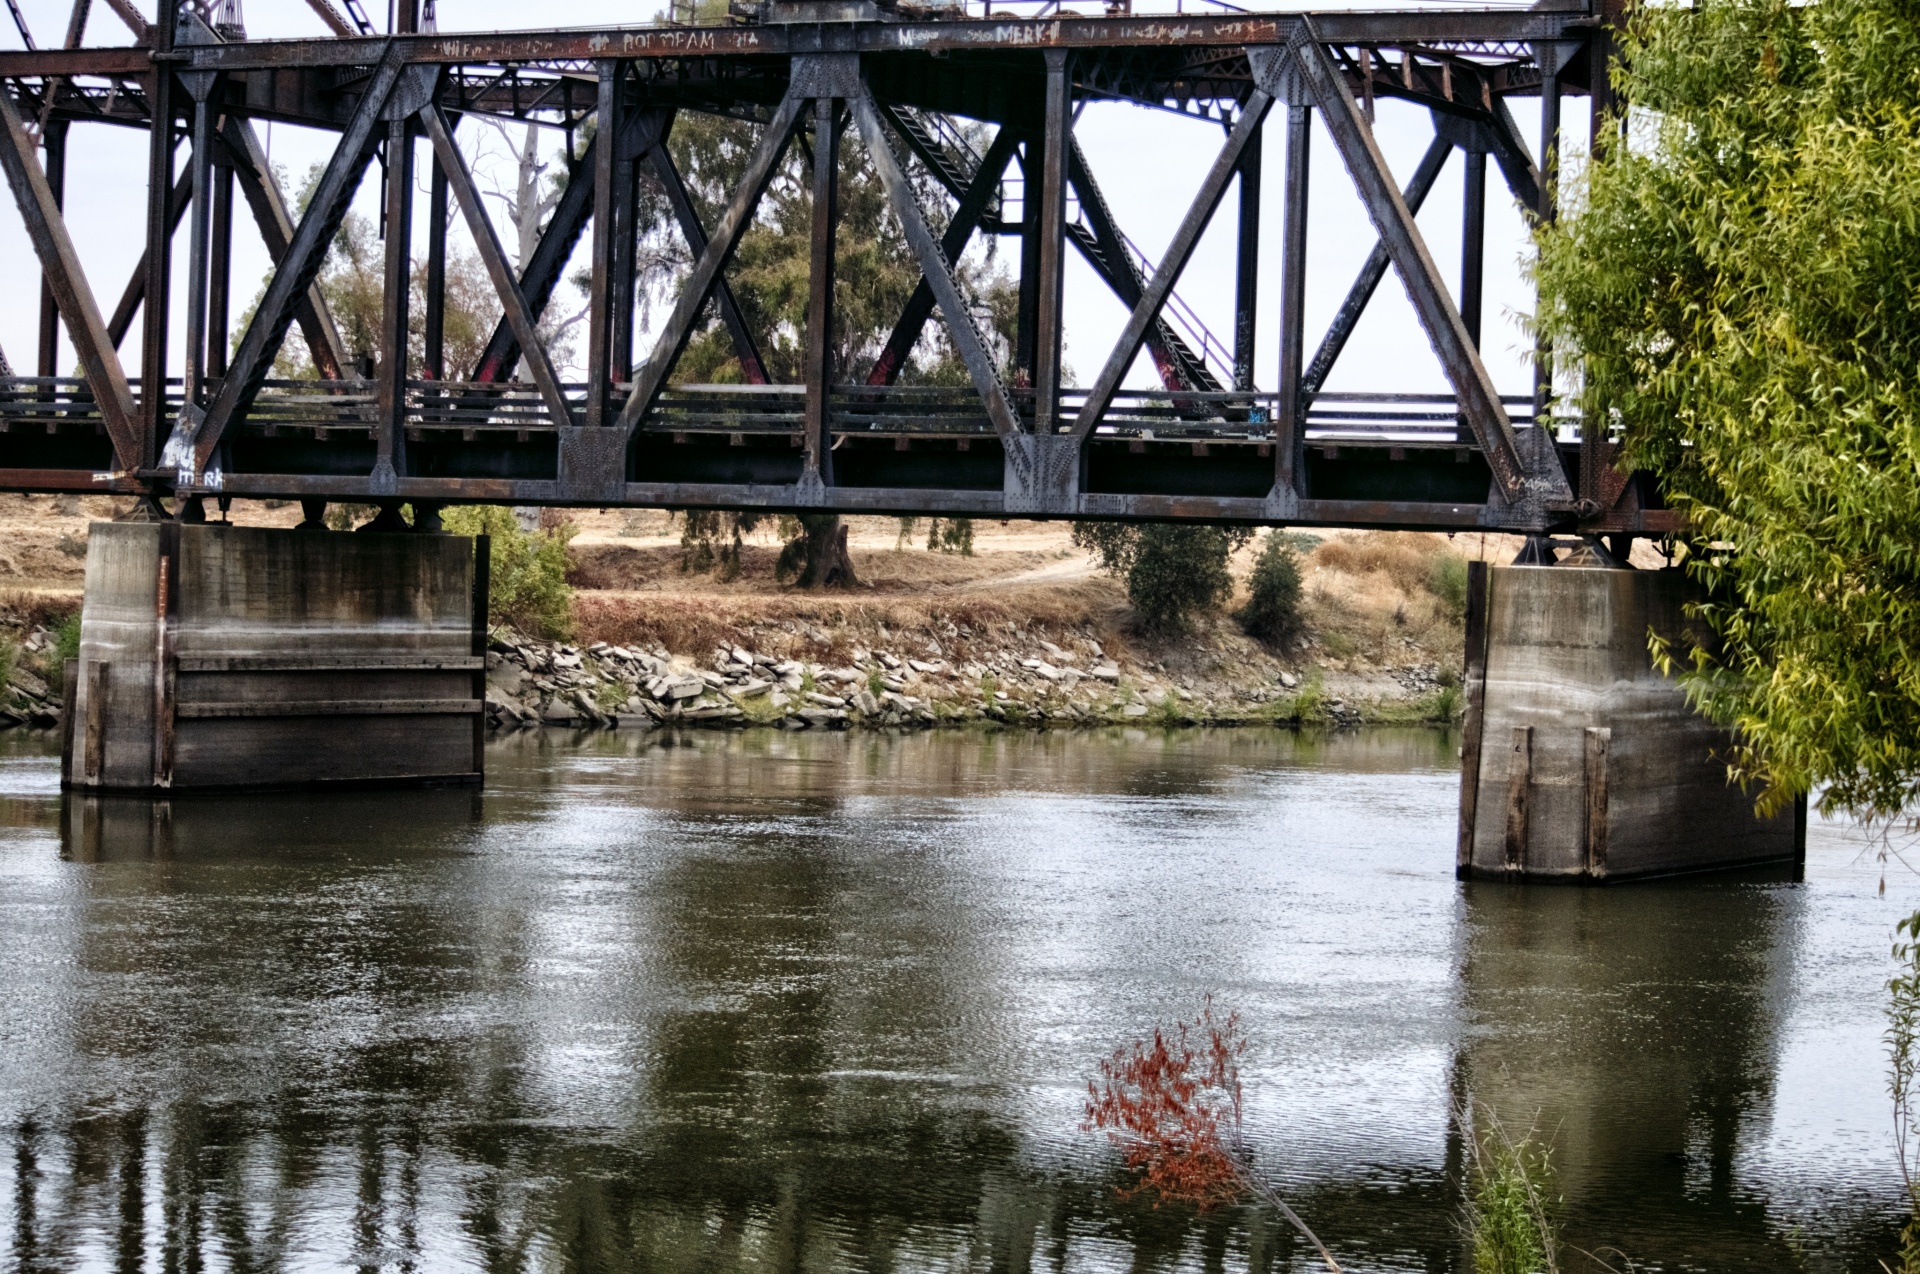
1148	162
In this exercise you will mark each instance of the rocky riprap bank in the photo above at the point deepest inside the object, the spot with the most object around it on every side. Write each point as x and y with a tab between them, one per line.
29	699
534	683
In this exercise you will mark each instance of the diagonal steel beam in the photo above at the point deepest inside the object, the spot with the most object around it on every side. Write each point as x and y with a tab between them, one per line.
540	273
1371	272
519	314
301	266
1472	385
270	213
935	268
684	212
678	328
974	202
61	268
1114	264
1516	165
1212	189
136	290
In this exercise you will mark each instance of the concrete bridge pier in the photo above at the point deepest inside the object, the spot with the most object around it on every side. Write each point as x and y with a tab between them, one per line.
1580	762
214	656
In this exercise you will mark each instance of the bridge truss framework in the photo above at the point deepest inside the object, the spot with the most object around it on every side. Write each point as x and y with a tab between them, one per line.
1207	445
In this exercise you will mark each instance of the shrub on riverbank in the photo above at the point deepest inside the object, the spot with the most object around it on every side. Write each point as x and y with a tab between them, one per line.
527	583
1173	573
1272	612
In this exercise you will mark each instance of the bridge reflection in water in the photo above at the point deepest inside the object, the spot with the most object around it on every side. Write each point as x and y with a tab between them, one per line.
790	1002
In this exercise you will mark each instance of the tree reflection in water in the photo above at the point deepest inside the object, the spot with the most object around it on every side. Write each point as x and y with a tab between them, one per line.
823	1003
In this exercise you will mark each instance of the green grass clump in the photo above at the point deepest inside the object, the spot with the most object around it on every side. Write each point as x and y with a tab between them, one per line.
1510	1206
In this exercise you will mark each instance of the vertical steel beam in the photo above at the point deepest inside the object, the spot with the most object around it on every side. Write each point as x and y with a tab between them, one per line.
818	367
161	94
220	268
599	312
390	441
1549	182
1473	255
1290	424
1246	292
1027	312
622	263
434	321
199	243
1473	244
48	231
1057	136
54	139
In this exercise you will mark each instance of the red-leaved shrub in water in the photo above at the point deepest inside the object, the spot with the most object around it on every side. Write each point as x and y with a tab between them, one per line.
1172	1105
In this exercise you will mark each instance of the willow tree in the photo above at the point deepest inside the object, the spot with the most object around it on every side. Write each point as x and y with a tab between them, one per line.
1739	282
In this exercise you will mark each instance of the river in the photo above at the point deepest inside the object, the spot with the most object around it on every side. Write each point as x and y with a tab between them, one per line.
826	1002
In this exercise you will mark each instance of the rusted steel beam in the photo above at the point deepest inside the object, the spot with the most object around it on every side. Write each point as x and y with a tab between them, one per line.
603	254
540	272
1212	189
434	321
61	265
54	142
935	268
752	369
817	360
519	313
268	203
974	203
1246	291
678	328
1374	269
1290	423
298	269
67	63
1473	244
1056	138
161	90
1423	27
136	289
390	436
1472	385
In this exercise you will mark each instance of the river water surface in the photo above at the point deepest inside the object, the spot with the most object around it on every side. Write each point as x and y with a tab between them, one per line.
814	1002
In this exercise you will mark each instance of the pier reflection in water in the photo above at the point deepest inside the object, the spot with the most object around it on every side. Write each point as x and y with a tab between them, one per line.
734	1002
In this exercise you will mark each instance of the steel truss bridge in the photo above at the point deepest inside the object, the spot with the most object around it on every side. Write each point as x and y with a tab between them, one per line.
1207	444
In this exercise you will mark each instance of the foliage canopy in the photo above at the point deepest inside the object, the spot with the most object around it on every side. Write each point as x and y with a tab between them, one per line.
1740	283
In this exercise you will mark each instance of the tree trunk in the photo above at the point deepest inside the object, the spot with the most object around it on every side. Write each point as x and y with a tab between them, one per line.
826	562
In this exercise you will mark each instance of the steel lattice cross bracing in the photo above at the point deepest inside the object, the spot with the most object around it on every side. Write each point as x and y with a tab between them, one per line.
1208	444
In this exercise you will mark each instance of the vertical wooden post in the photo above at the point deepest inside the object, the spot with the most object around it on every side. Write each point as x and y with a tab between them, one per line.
818	460
1519	789
1290	416
1479	580
69	705
1800	837
1247	267
482	583
1599	740
55	142
163	659
1058	138
99	678
390	446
